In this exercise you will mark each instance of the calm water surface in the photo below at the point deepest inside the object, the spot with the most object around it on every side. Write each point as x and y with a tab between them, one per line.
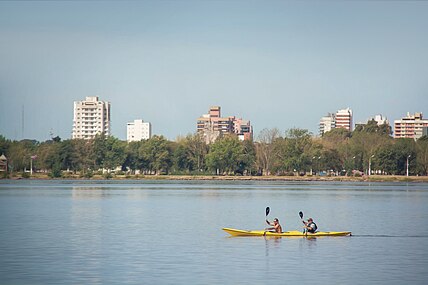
168	232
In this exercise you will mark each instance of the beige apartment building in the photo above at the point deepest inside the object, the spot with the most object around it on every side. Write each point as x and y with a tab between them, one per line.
91	117
212	125
411	126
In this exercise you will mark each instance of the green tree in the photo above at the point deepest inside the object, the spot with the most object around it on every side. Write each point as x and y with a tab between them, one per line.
294	151
4	145
114	153
373	127
182	161
132	160
406	152
387	158
365	145
422	155
197	150
82	155
19	154
225	155
247	164
157	152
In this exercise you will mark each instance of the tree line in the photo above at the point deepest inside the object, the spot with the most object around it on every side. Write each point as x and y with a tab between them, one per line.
293	152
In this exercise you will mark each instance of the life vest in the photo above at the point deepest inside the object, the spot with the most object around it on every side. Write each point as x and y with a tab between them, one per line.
313	226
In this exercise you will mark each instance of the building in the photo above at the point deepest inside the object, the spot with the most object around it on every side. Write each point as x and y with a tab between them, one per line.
3	163
243	129
411	126
91	117
380	120
340	119
212	125
344	119
327	123
138	130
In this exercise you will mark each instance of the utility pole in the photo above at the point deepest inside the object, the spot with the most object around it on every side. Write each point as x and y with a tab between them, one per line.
407	165
370	165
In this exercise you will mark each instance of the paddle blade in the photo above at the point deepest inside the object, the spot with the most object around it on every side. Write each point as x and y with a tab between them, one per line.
267	211
301	214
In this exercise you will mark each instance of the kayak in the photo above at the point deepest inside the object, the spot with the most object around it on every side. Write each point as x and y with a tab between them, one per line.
235	232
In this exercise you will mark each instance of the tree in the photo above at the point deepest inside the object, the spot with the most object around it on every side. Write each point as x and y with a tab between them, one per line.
180	159
225	155
19	154
365	145
387	158
293	151
422	155
197	150
156	152
248	159
132	160
265	149
114	153
373	127
82	155
331	160
4	145
406	152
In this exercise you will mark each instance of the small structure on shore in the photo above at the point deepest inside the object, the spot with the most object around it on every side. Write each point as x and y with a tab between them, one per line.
3	163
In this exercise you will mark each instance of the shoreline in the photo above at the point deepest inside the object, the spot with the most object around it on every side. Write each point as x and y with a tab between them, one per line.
372	178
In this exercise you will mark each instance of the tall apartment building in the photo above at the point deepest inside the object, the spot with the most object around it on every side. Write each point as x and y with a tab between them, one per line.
411	126
344	119
138	130
327	123
340	119
212	125
91	117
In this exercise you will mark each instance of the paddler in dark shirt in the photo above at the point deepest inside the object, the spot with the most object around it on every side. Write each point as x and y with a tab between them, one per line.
310	226
276	226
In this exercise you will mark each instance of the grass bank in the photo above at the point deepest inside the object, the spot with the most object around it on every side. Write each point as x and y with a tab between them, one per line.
372	178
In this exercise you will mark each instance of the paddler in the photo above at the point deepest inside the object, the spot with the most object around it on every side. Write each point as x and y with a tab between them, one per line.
310	226
276	226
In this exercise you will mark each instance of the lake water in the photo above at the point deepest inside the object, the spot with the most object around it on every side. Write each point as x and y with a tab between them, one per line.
169	232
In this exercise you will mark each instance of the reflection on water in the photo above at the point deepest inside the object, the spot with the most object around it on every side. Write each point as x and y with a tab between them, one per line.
160	232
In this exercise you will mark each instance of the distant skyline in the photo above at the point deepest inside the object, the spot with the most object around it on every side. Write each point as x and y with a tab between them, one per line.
279	64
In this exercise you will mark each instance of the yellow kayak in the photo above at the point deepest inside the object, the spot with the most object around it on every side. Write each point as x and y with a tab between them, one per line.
235	232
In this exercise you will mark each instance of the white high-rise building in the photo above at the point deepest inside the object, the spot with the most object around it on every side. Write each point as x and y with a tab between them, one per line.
380	120
91	117
341	119
138	130
344	119
327	123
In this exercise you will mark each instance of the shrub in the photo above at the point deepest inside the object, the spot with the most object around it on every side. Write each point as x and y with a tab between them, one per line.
107	175
25	175
88	174
5	175
56	172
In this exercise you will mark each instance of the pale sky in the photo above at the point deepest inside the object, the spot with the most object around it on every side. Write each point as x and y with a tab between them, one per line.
280	64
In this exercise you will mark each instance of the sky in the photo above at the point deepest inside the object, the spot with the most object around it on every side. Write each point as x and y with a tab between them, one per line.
279	64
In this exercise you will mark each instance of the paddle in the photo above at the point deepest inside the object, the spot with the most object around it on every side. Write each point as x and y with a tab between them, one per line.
267	213
301	217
